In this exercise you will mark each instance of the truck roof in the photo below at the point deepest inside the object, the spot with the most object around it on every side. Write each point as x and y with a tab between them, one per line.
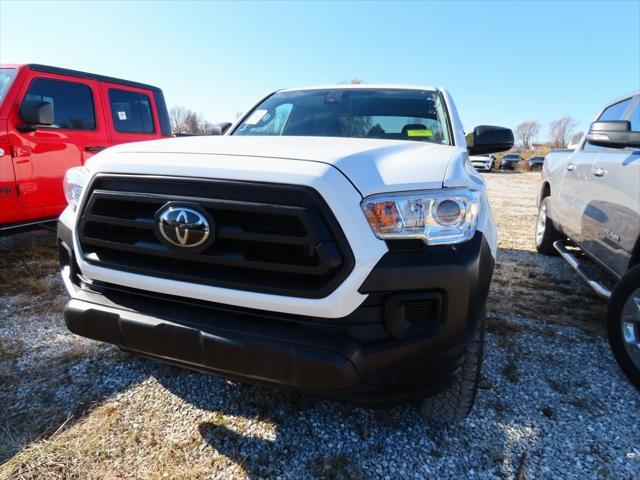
624	97
77	73
357	86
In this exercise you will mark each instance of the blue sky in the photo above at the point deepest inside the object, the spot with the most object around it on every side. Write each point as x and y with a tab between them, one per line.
503	62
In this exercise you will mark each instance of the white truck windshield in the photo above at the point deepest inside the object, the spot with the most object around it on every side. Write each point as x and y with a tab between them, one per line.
398	114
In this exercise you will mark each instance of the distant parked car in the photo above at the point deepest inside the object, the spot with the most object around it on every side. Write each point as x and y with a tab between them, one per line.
535	163
483	163
589	213
510	160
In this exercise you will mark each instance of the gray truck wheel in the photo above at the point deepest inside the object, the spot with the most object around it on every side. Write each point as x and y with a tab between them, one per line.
455	403
546	233
623	324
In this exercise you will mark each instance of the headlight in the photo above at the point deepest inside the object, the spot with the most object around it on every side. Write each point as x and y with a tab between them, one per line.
436	216
74	182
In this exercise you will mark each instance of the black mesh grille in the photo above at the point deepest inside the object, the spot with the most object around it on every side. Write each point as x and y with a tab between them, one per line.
279	239
413	313
420	314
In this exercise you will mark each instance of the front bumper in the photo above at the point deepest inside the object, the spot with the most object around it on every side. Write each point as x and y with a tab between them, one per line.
357	358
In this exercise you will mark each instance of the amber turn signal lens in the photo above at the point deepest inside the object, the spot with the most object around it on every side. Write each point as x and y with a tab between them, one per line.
384	215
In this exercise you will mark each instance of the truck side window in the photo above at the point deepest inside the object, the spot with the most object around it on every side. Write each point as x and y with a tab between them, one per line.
72	102
635	118
130	111
615	111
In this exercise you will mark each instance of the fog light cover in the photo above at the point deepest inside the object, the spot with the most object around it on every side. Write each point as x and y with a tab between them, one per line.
413	314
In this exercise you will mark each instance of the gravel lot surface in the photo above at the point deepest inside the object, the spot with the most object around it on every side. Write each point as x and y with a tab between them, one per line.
553	403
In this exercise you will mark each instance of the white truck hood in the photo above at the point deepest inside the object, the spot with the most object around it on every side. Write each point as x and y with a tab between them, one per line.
371	165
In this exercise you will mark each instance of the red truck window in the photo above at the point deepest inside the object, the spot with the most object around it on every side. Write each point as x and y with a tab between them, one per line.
72	102
131	111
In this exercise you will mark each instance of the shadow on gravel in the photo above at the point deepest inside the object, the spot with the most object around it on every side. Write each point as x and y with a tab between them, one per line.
316	438
295	419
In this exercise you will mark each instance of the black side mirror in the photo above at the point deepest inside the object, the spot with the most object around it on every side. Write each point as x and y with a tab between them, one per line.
215	131
489	139
224	126
613	134
37	113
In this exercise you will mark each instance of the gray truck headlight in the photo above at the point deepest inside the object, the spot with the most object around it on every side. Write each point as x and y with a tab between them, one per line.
438	217
75	179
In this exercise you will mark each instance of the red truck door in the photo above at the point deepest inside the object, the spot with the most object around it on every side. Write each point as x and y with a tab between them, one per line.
42	154
131	113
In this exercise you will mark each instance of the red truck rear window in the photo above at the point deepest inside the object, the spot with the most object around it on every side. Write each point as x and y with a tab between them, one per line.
131	111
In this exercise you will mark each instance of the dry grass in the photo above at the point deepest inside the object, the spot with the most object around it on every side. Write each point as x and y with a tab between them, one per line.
108	445
11	348
26	261
526	283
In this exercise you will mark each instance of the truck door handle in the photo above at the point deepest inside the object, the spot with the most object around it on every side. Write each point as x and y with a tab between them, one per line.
94	148
571	167
598	172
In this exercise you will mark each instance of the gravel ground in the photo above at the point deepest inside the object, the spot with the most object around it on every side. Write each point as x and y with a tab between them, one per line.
552	403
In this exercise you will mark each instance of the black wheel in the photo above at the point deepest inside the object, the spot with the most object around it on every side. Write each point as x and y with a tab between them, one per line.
455	403
623	324
546	233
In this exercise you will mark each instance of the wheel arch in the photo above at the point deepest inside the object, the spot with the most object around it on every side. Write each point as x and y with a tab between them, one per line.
545	191
635	255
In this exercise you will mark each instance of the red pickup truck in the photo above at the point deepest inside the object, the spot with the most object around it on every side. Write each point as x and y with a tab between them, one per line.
52	119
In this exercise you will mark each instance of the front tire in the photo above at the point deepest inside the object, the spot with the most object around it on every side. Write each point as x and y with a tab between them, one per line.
546	233
623	324
454	404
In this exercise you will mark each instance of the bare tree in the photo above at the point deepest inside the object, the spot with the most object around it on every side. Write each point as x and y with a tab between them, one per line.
561	131
576	138
526	133
208	128
185	121
177	118
192	122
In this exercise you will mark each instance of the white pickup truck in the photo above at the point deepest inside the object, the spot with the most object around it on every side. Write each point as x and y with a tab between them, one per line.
589	212
335	240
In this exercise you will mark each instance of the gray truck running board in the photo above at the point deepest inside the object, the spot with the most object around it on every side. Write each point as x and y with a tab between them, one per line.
597	286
